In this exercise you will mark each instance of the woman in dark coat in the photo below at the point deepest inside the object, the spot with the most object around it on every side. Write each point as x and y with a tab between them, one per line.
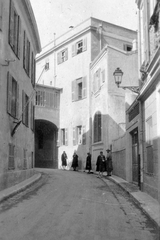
88	163
109	165
75	161
64	159
101	163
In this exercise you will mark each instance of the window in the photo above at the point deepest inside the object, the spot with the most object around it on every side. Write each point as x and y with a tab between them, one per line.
64	136
103	75
97	127
12	96
96	80
47	99
25	109
62	56
1	11
32	70
149	145
79	89
32	116
14	30
26	54
79	135
24	158
127	47
79	47
79	85
47	64
11	164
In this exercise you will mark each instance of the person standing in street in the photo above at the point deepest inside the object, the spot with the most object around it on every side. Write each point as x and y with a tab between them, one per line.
88	162
75	161
101	164
64	160
109	165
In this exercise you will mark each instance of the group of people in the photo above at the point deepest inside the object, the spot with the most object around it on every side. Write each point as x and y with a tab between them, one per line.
74	161
103	164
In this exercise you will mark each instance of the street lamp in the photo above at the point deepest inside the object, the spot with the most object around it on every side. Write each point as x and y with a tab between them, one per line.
118	80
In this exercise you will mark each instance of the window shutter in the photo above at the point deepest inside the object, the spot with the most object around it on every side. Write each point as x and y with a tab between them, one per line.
59	137
24	47
84	44
66	136
11	25
84	87
17	101
146	31
19	37
23	105
73	50
103	76
84	135
34	72
73	90
74	136
9	92
1	15
66	54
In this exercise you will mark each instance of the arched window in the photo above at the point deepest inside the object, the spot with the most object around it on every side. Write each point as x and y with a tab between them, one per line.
97	127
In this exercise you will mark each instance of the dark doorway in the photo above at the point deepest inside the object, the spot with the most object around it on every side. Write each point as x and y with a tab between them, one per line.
46	151
135	158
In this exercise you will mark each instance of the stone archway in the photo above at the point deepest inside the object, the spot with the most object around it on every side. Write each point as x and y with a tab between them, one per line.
46	151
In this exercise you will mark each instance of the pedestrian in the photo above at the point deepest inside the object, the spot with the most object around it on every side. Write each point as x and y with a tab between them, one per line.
88	163
75	161
64	160
109	165
101	164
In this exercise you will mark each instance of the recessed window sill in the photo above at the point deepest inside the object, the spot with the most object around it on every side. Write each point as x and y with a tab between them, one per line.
97	143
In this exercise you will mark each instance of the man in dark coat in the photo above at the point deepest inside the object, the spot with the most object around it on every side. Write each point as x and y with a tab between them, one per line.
109	165
101	164
64	160
88	162
75	161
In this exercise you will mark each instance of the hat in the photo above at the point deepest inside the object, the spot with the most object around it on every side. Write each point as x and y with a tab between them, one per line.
108	150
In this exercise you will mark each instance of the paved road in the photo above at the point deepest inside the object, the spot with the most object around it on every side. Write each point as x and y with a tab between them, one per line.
69	205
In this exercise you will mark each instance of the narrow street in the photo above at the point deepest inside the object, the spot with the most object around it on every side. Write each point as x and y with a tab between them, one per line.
71	205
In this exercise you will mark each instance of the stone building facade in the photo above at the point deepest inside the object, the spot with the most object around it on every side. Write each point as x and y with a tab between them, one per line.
19	43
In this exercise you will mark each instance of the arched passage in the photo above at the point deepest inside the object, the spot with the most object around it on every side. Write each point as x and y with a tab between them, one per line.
46	151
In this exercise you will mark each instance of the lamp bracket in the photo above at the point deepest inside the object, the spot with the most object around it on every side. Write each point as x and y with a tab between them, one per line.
134	89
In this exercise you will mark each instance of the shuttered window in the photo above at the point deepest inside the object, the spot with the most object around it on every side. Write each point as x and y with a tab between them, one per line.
12	96
14	30
79	47
32	116
79	89
26	57
24	158
25	109
97	127
84	135
11	163
74	136
62	56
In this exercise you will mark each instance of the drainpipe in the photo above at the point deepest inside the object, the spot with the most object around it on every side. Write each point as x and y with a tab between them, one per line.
54	60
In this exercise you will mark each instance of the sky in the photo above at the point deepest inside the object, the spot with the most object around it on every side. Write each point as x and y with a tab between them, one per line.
56	16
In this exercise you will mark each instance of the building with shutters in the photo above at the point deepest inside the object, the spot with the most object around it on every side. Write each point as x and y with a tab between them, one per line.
108	103
149	95
19	43
69	57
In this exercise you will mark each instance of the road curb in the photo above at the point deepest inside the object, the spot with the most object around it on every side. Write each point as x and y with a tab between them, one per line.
10	192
